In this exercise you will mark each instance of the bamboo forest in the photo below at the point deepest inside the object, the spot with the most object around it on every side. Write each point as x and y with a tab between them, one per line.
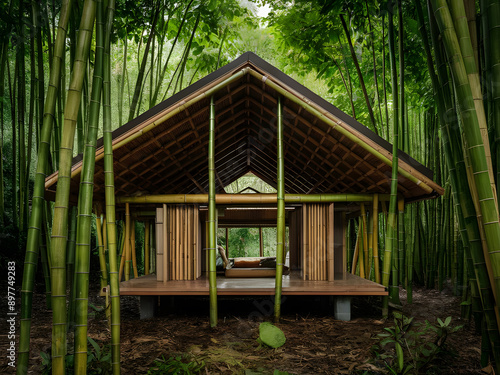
250	187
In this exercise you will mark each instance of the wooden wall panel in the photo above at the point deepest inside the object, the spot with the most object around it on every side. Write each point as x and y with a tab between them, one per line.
178	243
317	240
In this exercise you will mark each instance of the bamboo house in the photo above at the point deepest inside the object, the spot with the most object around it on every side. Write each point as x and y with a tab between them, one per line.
173	162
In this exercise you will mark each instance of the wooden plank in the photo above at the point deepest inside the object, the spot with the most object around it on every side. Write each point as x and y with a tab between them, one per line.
292	285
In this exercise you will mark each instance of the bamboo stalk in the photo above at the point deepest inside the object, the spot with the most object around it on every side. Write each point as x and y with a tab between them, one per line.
369	266
304	242
127	250
102	258
229	199
146	247
356	253
196	245
212	217
375	238
331	243
134	250
177	239
361	257
35	221
166	247
280	226
365	241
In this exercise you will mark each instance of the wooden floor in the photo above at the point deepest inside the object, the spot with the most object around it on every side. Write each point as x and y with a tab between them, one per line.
292	285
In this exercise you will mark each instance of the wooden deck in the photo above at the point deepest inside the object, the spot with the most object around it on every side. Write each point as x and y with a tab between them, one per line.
292	285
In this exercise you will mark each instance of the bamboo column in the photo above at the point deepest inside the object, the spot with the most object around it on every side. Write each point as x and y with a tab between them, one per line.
261	243
127	250
166	247
212	280
331	243
280	229
146	248
375	239
366	255
133	249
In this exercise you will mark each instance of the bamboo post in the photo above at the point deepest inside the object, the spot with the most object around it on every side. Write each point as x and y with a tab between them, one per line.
179	237
375	239
212	277
146	247
365	241
261	243
166	245
132	247
330	239
123	248
304	242
356	254
370	272
127	249
195	244
280	229
100	244
227	242
361	250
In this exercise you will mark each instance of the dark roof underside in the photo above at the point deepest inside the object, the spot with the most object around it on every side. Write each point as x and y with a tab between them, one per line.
172	157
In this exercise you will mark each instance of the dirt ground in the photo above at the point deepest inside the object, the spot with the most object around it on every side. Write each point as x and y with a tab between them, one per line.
316	343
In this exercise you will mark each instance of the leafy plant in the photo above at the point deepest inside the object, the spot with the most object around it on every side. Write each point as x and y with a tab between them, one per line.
98	360
270	335
411	348
176	365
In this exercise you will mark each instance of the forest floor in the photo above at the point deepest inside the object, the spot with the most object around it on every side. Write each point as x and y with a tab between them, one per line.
316	343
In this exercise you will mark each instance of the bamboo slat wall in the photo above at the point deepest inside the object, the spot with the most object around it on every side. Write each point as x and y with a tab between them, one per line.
178	245
317	242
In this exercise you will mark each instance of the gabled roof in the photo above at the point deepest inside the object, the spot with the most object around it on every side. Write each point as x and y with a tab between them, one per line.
164	150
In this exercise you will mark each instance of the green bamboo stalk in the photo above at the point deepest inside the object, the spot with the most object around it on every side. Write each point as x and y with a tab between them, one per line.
109	191
35	222
366	250
370	270
70	265
212	217
45	268
280	225
410	255
165	66
476	148
21	108
60	221
491	16
3	61
85	202
391	235
142	68
360	75
376	260
128	247
100	244
463	199
457	12
401	243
